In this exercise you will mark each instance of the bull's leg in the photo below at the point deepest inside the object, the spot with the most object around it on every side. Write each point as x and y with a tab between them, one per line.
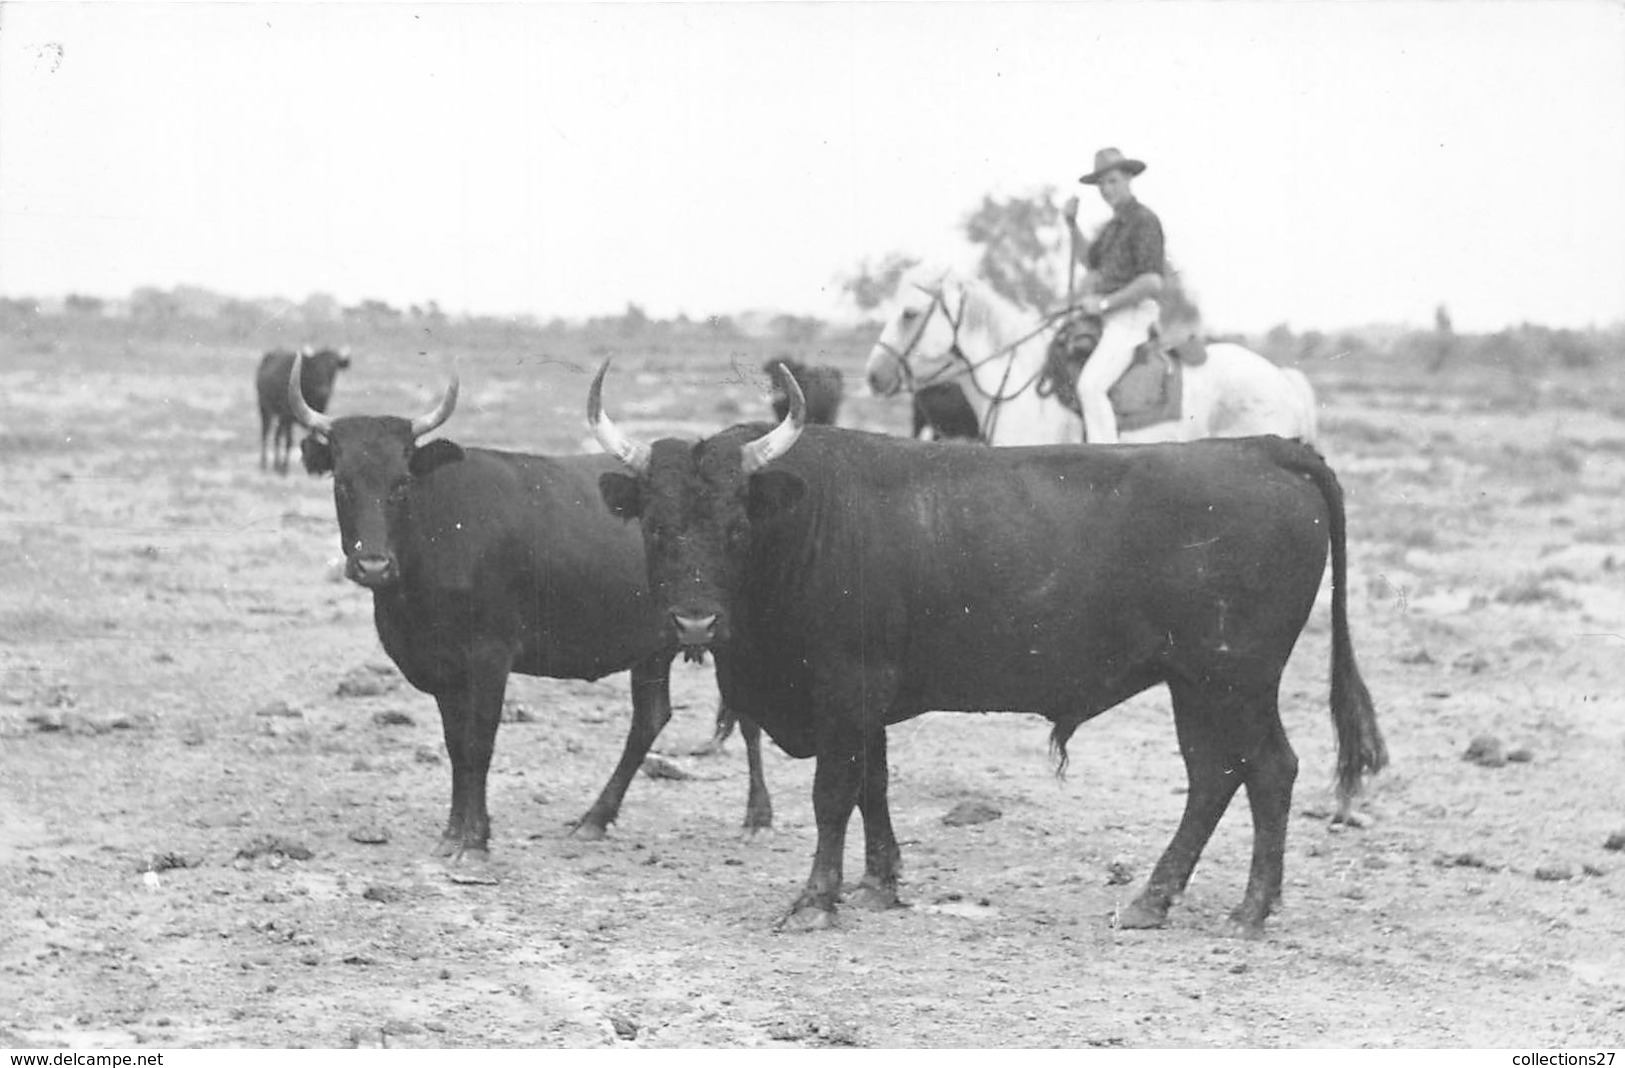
469	715
283	446
882	858
651	709
1212	765
1271	770
265	433
758	805
719	734
837	782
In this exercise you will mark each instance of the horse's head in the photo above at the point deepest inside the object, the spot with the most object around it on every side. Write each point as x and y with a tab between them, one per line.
920	341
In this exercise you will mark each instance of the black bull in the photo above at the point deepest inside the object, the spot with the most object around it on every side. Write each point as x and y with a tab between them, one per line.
483	563
319	370
845	581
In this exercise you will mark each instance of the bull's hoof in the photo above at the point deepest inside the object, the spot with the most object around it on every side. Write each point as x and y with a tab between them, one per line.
588	830
872	897
1247	923
1348	816
471	865
1140	916
454	849
754	833
808	918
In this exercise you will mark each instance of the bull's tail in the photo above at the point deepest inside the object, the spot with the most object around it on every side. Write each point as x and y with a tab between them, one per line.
1360	748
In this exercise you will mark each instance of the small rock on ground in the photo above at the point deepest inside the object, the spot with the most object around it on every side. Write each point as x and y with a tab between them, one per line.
968	812
1486	751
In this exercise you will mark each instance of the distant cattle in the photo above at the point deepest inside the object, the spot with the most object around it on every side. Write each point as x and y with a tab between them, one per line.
823	386
941	413
845	581
483	563
271	383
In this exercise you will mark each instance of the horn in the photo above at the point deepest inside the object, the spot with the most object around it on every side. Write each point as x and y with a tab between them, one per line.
757	454
306	416
442	411
634	454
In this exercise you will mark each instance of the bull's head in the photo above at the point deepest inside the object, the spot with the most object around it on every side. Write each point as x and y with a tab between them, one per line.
373	459
696	504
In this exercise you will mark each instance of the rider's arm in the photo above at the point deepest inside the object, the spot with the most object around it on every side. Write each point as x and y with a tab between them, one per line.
1148	285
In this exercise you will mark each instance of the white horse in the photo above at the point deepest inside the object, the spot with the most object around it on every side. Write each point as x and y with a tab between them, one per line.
947	327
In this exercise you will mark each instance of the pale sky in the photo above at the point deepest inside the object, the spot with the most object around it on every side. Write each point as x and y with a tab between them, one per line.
1326	164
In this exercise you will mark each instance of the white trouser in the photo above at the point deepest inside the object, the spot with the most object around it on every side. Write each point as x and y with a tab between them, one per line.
1124	329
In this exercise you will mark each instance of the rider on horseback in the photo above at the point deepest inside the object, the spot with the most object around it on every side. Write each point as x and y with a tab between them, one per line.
1125	277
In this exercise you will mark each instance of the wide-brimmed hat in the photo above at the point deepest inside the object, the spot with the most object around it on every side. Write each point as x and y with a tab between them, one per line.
1109	159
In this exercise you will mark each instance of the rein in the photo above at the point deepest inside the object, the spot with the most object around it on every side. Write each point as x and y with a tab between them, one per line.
962	365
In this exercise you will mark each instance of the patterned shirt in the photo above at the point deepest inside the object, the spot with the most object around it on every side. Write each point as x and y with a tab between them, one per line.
1129	245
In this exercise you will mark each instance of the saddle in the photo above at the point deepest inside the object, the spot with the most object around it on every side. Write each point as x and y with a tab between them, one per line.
1151	390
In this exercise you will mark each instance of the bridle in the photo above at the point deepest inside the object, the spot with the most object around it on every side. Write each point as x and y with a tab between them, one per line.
960	365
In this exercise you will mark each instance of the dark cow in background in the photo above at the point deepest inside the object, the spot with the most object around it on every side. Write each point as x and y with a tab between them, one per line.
483	563
271	383
845	581
823	388
942	410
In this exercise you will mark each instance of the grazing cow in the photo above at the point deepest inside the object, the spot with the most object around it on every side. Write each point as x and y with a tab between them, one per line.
271	382
941	413
822	386
483	563
845	581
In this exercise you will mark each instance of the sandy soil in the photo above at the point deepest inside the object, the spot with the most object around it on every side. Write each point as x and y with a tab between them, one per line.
217	799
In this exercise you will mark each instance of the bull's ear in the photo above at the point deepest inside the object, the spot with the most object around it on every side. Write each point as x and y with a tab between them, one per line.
622	494
316	454
437	453
771	492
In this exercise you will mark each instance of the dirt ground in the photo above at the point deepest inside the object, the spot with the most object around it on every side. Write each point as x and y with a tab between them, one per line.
217	799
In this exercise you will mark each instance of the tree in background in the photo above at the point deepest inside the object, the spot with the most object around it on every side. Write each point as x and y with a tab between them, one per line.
1019	252
873	284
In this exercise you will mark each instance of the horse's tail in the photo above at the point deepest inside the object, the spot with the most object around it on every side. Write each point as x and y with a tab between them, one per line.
1360	747
1308	409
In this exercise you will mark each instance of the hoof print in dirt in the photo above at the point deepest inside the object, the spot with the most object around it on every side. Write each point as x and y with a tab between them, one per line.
392	718
1465	860
658	767
370	835
273	849
1486	751
161	862
967	813
369	681
624	1028
1554	873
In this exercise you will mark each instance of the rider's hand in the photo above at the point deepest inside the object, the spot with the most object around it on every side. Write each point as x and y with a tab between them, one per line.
1069	210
